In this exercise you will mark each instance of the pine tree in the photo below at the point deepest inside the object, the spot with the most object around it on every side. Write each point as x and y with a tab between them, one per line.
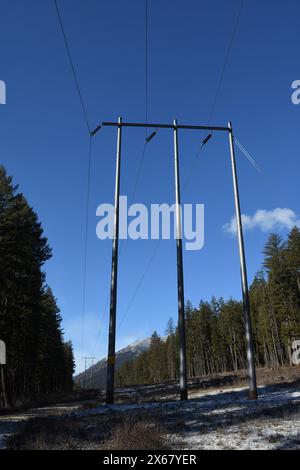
215	331
283	294
293	256
29	318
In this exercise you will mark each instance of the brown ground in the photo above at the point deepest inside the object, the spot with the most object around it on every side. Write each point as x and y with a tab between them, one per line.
60	427
170	390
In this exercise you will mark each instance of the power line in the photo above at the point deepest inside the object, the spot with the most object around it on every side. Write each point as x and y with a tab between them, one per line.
140	282
142	157
88	363
247	155
198	152
138	174
101	323
147	265
146	62
214	101
122	249
75	75
192	170
140	170
146	106
122	246
216	95
86	240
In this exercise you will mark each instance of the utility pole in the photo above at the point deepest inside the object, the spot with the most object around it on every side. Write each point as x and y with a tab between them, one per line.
114	275
245	291
246	303
88	362
3	396
180	285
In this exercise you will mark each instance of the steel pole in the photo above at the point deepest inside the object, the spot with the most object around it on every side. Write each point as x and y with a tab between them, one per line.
298	281
113	286
180	287
4	397
246	302
84	377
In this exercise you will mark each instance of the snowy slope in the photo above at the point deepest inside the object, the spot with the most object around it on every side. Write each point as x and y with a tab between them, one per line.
96	375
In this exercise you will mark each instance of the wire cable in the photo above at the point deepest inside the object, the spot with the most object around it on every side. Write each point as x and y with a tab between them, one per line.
142	158
75	75
192	170
146	64
86	241
146	106
247	155
223	69
76	81
196	157
216	95
153	254
102	318
138	175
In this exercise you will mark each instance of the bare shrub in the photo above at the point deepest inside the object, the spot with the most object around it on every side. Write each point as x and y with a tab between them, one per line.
137	432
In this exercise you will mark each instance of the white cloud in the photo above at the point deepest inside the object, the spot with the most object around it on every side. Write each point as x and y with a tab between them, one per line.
266	221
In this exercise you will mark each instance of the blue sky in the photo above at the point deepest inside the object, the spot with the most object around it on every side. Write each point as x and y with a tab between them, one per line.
44	142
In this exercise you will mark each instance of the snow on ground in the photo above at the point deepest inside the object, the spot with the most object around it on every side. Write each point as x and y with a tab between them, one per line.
231	421
263	435
211	401
11	423
226	419
212	419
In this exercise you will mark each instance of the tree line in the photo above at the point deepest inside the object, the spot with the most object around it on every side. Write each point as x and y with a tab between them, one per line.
39	361
215	330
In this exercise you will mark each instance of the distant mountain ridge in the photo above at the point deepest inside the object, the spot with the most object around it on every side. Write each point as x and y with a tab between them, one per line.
95	376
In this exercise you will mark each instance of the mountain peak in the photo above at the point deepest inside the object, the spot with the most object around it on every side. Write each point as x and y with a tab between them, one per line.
95	376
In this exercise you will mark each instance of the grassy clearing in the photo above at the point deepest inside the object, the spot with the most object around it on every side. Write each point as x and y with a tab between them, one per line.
136	431
213	417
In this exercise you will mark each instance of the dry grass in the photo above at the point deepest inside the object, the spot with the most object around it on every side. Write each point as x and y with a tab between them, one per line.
132	432
286	374
222	381
46	434
137	432
141	430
